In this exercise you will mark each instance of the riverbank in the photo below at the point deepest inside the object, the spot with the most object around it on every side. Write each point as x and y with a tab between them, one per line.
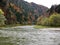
33	27
12	25
40	26
16	26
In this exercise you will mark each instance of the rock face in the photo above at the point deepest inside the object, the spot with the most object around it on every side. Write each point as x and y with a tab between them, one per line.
20	11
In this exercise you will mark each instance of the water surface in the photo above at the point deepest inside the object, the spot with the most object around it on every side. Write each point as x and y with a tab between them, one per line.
27	35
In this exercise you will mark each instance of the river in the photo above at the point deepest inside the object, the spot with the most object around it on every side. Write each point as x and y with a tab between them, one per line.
27	35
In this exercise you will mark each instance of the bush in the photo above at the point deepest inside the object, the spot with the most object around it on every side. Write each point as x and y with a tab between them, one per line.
54	20
45	21
42	21
2	18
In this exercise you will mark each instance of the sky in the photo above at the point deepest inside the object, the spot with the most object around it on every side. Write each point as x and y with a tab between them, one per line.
47	3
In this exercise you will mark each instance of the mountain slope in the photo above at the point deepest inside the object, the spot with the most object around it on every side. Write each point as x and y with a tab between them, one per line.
54	9
20	11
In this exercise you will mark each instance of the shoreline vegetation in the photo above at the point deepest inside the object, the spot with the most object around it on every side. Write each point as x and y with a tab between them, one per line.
52	21
35	26
12	25
40	26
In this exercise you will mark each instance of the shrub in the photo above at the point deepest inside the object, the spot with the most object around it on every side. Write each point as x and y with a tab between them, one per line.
2	18
45	21
54	20
42	21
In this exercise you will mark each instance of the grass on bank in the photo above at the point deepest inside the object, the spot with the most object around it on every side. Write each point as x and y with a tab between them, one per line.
40	26
11	25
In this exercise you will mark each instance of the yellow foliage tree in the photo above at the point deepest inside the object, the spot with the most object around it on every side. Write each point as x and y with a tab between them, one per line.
2	18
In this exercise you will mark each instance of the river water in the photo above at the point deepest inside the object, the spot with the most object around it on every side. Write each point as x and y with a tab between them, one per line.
27	35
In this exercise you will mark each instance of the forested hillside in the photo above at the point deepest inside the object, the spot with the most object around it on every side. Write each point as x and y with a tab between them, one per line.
53	18
20	11
54	9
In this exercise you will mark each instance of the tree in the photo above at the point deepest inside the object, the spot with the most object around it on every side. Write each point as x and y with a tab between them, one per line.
54	20
57	9
2	18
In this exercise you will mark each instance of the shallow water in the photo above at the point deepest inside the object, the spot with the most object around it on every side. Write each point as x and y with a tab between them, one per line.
29	36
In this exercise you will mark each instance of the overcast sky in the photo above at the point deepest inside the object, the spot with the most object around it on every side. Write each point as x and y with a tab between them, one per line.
47	3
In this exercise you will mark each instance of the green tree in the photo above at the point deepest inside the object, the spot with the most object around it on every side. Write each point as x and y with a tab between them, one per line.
43	21
2	18
54	20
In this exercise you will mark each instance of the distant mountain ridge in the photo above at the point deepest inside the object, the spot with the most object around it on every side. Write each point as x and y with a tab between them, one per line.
29	6
23	12
54	9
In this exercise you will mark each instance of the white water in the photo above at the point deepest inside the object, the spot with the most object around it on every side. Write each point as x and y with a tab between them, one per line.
27	35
